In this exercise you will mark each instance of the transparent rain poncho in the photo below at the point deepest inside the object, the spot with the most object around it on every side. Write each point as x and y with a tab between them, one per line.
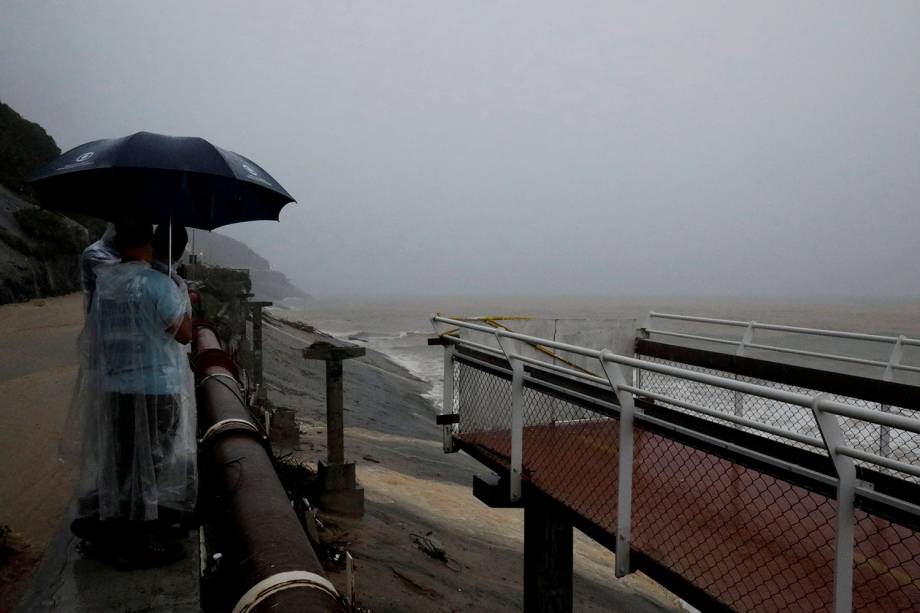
100	253
135	399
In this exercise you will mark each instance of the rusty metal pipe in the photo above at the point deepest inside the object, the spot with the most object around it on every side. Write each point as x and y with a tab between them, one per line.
205	336
246	510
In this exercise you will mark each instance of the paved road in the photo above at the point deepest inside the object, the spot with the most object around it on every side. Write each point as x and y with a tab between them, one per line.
38	364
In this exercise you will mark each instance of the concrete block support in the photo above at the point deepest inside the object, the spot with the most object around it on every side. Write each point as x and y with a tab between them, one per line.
258	376
244	305
547	561
340	491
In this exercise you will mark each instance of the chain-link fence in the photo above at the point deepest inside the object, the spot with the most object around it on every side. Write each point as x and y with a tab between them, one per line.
873	438
749	539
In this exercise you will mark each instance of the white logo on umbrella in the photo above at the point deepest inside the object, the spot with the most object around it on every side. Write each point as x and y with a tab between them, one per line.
251	170
85	156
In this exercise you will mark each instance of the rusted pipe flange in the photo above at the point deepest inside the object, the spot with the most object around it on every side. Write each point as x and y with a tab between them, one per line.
208	358
229	424
293	579
216	375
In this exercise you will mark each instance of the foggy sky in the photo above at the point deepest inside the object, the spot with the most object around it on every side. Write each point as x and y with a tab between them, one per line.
533	147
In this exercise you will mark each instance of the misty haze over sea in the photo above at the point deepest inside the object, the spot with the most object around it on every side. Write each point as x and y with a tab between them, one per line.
399	327
539	147
741	160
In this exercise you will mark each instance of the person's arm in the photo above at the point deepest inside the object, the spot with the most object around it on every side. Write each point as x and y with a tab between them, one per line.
183	332
169	304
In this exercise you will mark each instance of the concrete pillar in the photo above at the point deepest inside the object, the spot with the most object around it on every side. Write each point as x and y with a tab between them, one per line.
257	372
244	307
547	561
341	493
335	422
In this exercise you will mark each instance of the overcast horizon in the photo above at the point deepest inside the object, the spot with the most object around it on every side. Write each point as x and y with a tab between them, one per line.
724	149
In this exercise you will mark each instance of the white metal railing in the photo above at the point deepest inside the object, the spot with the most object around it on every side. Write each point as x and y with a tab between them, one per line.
750	327
747	342
826	413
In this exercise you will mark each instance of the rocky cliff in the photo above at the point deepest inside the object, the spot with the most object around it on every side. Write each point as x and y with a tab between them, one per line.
39	250
34	264
267	284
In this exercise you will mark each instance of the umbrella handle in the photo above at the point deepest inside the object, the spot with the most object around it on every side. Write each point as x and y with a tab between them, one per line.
169	259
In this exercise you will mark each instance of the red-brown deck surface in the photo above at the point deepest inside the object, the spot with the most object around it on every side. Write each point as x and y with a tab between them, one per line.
752	541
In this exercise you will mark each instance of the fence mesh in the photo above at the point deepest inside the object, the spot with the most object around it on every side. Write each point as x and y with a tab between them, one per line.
750	540
888	442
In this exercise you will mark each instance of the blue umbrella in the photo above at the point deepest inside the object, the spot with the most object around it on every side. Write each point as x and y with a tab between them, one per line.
160	179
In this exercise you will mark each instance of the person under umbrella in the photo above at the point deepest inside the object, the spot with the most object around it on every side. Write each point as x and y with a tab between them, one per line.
137	405
135	372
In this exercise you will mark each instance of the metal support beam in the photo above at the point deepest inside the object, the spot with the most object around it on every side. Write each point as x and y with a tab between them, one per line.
746	339
884	433
447	404
624	462
547	561
517	428
517	416
829	425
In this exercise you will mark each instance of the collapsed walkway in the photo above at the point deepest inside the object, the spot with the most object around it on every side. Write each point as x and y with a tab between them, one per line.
739	483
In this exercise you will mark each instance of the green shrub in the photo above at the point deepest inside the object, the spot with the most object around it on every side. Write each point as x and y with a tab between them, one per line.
220	290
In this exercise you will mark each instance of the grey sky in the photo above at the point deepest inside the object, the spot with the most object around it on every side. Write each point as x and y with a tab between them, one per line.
557	147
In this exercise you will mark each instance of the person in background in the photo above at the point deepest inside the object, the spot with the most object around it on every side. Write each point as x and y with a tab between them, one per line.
138	475
103	251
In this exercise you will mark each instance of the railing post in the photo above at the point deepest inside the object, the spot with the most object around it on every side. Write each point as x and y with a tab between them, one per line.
832	434
884	432
447	404
746	339
517	428
624	462
517	419
646	324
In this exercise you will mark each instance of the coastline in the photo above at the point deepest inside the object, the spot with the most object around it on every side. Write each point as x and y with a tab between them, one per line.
412	487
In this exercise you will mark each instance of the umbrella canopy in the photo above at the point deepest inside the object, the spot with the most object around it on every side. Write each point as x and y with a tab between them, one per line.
185	180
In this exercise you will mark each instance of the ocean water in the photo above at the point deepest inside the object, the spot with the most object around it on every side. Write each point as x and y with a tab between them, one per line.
400	327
